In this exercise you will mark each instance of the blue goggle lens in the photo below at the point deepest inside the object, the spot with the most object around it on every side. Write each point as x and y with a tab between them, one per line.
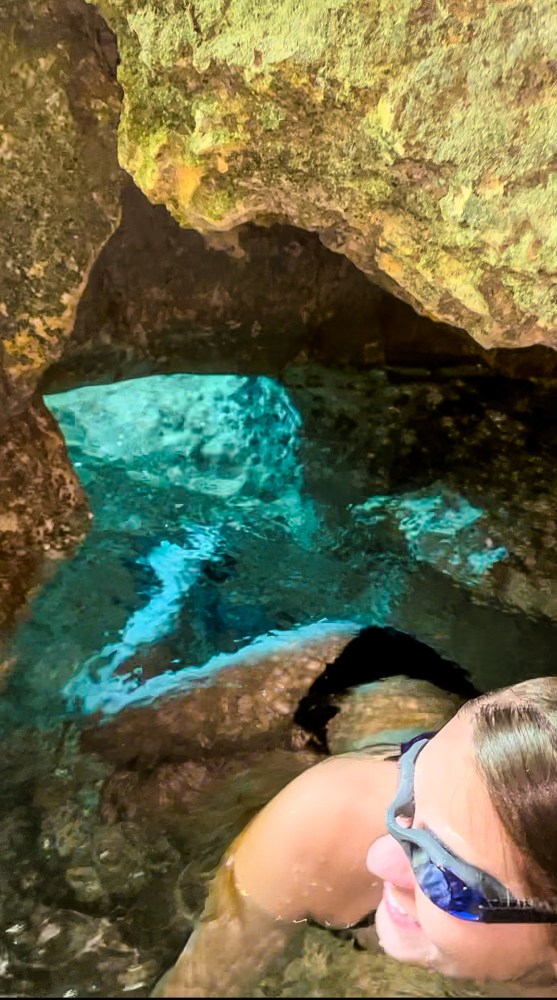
443	888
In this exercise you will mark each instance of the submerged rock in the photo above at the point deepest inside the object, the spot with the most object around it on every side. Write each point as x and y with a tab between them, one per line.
329	967
62	952
228	438
391	710
43	511
246	700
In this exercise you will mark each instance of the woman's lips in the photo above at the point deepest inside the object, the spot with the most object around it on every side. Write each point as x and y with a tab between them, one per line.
396	912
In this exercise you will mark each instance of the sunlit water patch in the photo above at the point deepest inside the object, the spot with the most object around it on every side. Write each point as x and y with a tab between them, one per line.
441	528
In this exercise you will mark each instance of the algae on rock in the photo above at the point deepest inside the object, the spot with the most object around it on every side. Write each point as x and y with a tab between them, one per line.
417	139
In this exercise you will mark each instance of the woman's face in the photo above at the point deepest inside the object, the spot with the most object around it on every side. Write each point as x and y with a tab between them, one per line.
452	801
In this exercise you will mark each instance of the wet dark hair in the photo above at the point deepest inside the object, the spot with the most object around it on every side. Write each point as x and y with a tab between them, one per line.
515	740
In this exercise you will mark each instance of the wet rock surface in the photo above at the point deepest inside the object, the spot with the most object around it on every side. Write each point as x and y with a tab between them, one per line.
429	437
44	510
60	189
327	967
369	124
393	709
60	184
250	704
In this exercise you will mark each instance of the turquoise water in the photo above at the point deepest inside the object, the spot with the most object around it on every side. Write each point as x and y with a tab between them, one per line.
226	510
219	516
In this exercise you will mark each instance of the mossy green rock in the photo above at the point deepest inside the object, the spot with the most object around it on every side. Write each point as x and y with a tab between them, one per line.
416	137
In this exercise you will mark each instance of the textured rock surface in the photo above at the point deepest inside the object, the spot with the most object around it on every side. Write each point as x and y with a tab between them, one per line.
394	707
43	509
59	188
60	180
166	299
463	433
249	704
417	138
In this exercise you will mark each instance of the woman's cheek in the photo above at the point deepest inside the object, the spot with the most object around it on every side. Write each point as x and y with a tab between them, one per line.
449	936
462	949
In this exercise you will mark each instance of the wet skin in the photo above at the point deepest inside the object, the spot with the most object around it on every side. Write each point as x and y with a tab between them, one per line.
452	801
320	849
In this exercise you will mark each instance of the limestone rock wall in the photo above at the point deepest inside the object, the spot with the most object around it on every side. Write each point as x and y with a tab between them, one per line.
43	510
163	299
59	178
418	138
59	189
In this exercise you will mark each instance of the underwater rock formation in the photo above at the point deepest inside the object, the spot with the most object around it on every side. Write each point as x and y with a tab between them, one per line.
279	694
444	479
418	139
246	700
390	709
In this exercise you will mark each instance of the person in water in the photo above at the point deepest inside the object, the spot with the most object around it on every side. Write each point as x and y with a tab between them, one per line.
451	843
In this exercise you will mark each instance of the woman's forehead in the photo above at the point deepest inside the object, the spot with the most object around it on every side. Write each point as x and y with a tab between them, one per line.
447	785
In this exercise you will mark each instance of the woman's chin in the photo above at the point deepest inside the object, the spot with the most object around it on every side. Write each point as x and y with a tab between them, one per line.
406	942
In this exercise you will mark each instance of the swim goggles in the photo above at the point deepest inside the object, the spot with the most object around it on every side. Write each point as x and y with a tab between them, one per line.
458	888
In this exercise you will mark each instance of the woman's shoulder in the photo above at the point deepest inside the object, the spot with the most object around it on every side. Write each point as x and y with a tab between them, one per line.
349	788
316	830
361	782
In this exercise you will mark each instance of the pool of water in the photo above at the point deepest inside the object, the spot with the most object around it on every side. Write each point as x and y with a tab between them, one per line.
226	509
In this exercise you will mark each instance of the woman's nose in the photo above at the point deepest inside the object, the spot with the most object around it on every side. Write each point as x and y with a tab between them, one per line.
387	860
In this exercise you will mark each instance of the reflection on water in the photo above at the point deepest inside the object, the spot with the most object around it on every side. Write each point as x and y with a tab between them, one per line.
439	526
226	509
